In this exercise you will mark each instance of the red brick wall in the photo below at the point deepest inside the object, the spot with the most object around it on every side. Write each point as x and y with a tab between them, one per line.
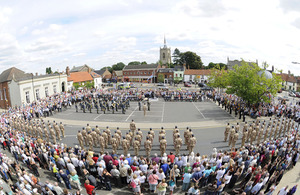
4	103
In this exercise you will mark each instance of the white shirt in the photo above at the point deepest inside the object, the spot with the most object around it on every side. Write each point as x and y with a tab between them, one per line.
220	174
256	188
142	178
71	168
75	161
282	191
161	176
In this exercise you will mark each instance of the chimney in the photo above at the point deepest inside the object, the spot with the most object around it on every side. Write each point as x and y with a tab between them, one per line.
68	71
227	59
289	72
272	68
36	74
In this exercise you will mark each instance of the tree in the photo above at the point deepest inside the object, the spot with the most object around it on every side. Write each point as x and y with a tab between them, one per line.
160	78
212	65
76	85
144	62
108	68
118	66
89	84
218	77
192	60
176	56
134	63
48	70
250	83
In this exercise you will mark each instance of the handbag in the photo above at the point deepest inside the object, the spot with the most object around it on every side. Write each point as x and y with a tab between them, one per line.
132	184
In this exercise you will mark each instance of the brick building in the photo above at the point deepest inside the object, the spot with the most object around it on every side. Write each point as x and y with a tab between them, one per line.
168	74
141	73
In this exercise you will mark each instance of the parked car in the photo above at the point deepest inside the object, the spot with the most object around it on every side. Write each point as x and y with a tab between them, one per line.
187	84
202	85
285	98
297	94
207	88
160	84
292	94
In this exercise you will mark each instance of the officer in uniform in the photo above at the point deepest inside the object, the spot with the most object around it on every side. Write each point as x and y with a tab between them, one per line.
97	129
175	136
245	126
107	130
152	133
163	146
128	138
56	127
231	136
148	146
245	135
267	132
136	146
90	141
84	135
249	132
178	144
88	128
259	135
140	105
144	108
52	133
185	135
271	132
118	138
113	142
40	130
80	139
62	129
161	135
132	126
125	144
148	104
235	138
105	137
227	129
253	136
94	137
192	143
237	127
46	133
101	142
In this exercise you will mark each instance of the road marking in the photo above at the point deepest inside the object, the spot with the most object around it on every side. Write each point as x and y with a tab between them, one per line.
131	113
163	111
198	110
97	117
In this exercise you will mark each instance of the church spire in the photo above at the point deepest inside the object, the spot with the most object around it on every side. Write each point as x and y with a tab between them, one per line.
165	42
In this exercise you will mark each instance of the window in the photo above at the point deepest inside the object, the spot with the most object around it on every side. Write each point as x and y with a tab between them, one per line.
4	91
1	96
37	94
164	55
27	97
145	72
165	76
180	75
54	88
46	92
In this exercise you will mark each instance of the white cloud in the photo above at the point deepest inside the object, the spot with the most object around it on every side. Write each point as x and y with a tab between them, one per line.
101	33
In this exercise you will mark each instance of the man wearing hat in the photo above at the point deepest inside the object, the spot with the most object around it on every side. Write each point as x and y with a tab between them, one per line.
62	129
163	145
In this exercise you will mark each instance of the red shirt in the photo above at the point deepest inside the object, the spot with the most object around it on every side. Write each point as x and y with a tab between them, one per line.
133	168
95	159
171	157
89	188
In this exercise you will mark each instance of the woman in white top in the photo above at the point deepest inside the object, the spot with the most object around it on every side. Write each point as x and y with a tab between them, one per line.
227	177
192	158
220	173
161	175
164	158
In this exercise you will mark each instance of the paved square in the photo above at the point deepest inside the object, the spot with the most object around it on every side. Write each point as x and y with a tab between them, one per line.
160	112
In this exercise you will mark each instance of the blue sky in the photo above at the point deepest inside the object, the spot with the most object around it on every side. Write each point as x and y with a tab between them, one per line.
38	34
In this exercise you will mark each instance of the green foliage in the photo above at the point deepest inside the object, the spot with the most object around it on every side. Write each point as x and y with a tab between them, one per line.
176	56
245	82
134	63
192	60
160	78
76	85
212	65
177	80
89	85
218	77
144	62
108	68
118	66
48	70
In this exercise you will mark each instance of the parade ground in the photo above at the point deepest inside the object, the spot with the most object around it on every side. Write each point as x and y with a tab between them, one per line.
206	119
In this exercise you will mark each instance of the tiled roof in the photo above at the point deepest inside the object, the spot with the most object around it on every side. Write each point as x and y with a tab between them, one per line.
9	74
288	78
141	67
100	72
178	68
95	75
196	72
80	77
119	73
165	70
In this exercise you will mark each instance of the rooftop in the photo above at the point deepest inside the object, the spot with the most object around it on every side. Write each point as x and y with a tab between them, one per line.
80	77
196	72
141	66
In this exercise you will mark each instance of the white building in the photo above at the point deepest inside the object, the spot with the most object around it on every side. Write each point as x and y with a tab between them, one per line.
32	88
196	75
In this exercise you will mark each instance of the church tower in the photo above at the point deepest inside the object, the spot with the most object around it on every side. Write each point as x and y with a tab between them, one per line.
165	54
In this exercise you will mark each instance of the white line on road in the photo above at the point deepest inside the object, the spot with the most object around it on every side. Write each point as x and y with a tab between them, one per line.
163	111
97	117
199	110
131	113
